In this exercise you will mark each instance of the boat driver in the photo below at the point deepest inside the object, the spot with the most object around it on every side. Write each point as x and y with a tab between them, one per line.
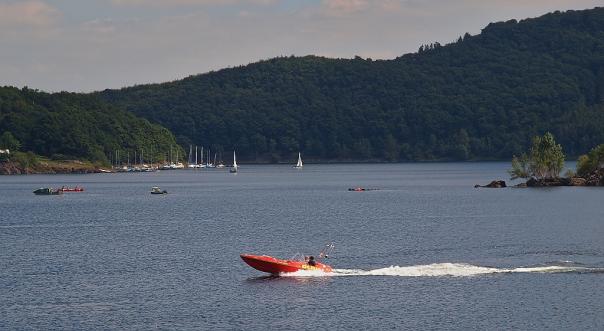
311	261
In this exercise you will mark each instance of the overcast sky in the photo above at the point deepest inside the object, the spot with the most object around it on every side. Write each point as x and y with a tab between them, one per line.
85	45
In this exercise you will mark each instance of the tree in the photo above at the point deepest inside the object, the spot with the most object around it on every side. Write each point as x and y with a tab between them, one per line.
545	159
391	149
520	167
594	160
8	141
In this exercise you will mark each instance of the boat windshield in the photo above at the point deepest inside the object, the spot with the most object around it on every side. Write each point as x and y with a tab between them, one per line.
324	253
327	250
298	257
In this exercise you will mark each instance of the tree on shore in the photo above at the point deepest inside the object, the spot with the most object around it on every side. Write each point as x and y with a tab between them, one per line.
593	161
8	141
544	160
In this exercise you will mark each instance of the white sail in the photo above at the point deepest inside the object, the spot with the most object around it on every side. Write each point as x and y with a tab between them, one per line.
299	164
234	168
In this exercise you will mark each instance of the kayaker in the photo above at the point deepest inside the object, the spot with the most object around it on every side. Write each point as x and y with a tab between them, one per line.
311	261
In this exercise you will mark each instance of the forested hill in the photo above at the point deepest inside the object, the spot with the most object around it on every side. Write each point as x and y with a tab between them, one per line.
75	126
481	97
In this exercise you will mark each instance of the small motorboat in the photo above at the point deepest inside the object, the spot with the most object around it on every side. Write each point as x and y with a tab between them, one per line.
276	266
157	190
361	189
47	191
357	189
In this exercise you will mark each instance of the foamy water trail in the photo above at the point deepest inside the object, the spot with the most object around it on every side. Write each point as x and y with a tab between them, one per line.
442	270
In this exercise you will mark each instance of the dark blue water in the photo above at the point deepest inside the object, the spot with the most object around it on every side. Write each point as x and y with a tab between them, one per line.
425	251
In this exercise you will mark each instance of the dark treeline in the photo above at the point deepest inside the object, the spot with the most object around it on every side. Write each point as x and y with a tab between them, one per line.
76	126
481	97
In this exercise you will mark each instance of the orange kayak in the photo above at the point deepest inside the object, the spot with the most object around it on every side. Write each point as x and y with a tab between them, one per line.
276	266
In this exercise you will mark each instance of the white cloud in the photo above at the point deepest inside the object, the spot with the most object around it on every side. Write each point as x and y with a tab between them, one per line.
338	7
190	2
30	13
100	26
121	45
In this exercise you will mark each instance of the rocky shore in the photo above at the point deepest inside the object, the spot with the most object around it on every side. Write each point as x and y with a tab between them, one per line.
595	178
49	167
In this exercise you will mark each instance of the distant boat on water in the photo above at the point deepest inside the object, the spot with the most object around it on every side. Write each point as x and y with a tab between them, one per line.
208	163
48	191
72	189
190	163
299	165
234	169
220	164
157	190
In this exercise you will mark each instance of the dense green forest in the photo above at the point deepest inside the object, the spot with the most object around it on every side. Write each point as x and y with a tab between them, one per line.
76	126
481	97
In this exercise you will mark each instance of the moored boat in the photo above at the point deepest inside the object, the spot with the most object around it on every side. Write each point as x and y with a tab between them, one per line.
234	168
47	191
299	165
157	190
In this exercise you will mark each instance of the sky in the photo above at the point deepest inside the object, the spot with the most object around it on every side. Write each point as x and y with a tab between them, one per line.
88	45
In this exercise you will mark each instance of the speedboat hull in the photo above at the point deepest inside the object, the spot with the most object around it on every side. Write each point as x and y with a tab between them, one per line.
277	266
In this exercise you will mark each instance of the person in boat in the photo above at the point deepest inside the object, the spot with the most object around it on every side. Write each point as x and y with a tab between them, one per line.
311	261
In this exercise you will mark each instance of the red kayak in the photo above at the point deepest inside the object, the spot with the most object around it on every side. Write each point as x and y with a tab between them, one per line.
276	266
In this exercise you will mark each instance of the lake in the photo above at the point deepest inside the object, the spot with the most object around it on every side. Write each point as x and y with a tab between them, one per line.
426	250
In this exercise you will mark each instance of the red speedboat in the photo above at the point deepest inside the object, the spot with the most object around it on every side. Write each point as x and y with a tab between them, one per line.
72	189
276	266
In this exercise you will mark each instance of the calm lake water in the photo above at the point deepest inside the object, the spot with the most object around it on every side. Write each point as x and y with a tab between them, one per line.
425	251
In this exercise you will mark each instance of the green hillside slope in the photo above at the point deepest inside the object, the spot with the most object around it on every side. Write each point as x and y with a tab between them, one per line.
70	125
481	97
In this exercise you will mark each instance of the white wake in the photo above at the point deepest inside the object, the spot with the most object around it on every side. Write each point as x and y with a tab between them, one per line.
441	270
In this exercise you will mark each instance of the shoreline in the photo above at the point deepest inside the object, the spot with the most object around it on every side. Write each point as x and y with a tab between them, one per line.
50	167
47	167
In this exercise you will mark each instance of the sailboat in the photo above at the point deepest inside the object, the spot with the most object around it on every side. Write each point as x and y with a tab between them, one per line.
201	164
234	169
208	163
299	164
190	163
220	164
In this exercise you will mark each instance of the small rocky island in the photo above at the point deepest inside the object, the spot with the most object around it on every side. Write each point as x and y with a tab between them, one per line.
542	165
